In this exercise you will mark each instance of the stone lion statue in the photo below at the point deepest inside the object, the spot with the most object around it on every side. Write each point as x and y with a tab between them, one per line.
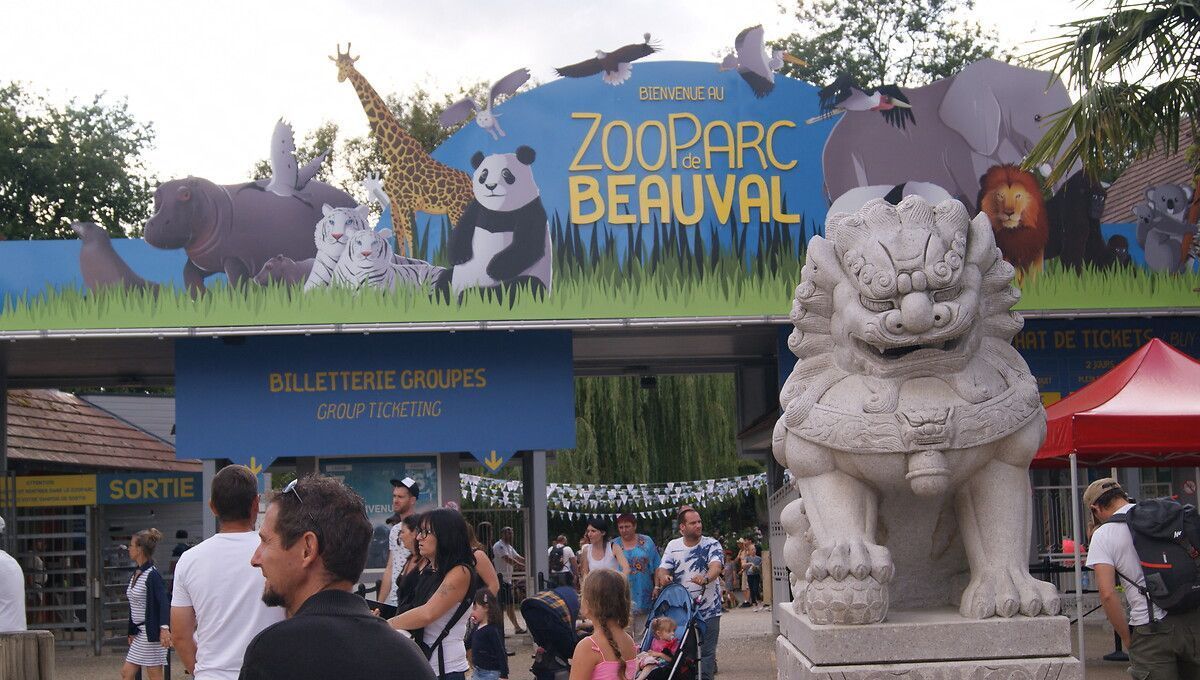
909	421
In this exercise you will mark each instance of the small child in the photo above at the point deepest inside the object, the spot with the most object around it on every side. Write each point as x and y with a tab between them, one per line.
609	653
488	654
662	650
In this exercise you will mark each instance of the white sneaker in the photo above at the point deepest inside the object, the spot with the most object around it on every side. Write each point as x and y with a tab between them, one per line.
758	608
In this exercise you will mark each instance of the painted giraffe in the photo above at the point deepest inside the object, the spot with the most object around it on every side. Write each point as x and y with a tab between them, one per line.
415	181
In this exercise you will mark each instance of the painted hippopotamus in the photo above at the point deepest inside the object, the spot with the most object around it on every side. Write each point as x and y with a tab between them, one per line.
236	228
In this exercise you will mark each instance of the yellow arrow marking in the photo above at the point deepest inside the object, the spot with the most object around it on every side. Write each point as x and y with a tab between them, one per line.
493	462
254	466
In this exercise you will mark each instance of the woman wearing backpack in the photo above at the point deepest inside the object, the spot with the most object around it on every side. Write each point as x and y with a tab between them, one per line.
561	563
439	624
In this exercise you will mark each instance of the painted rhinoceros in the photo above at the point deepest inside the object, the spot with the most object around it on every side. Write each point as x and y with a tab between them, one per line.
236	228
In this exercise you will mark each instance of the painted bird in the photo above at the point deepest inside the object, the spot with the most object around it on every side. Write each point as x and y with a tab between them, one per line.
615	65
843	94
753	63
484	117
286	176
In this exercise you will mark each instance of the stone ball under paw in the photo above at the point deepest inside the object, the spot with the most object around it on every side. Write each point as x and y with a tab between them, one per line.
849	601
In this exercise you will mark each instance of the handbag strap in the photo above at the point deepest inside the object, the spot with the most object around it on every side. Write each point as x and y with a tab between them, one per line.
458	614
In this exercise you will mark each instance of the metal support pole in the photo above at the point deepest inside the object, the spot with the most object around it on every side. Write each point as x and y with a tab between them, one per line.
8	542
1078	562
533	476
208	470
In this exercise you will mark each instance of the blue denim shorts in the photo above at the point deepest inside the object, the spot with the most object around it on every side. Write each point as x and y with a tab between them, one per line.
484	674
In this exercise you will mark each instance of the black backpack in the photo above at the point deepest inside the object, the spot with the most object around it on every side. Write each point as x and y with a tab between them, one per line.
1166	535
556	558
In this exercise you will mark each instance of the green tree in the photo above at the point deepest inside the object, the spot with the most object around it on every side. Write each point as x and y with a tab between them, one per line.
1136	71
902	42
77	162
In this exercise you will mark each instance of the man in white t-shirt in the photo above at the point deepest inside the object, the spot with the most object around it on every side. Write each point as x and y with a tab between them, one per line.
216	602
562	568
404	501
1165	649
696	561
506	557
12	592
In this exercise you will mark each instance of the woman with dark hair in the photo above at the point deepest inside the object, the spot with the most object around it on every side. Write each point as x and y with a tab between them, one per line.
438	618
410	574
600	552
149	611
483	564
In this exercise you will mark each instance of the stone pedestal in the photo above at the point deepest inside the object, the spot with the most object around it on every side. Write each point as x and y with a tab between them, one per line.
926	644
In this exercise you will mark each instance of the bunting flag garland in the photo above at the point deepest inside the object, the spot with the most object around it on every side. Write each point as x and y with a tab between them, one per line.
580	501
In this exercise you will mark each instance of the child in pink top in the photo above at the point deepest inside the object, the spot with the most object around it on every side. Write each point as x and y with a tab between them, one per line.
609	653
663	648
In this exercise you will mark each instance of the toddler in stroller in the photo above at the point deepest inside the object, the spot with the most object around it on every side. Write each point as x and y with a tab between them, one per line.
675	604
663	648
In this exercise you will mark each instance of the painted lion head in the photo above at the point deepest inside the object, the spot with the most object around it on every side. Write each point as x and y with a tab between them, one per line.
1011	198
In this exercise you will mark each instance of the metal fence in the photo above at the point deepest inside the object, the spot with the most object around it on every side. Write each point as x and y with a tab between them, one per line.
487	523
52	547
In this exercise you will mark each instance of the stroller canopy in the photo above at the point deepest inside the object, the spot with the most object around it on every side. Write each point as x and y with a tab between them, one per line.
674	601
550	616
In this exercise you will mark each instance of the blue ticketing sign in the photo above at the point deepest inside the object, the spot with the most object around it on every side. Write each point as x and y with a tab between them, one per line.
491	394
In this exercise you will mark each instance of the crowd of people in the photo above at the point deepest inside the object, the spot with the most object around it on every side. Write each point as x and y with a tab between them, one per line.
279	601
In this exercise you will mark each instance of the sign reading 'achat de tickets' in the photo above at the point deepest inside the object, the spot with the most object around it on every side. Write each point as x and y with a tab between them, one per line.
491	394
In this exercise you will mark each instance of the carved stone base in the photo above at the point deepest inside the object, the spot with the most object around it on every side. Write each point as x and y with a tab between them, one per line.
926	645
849	601
795	666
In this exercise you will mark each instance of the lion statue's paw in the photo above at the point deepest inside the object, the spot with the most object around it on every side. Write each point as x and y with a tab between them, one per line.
1006	593
851	558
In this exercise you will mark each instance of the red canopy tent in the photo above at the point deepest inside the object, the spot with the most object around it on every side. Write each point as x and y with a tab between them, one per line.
1143	412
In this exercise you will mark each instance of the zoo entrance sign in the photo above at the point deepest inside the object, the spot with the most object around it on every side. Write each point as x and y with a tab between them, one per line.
682	190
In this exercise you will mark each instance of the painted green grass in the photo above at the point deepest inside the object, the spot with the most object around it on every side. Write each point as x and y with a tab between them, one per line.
1055	288
604	290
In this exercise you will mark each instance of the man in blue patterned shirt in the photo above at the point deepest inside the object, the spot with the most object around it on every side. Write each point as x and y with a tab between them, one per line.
696	561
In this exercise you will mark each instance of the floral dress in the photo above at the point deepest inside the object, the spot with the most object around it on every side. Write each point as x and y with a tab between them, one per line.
643	560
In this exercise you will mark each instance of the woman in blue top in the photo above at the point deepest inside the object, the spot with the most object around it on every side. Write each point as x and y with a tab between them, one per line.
642	556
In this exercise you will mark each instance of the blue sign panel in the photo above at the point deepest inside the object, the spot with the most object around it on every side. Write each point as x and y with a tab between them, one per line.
354	395
148	487
1066	354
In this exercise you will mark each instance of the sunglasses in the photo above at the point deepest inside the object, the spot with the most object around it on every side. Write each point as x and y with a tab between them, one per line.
316	529
423	533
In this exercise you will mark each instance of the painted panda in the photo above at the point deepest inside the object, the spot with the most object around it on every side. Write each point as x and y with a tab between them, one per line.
503	237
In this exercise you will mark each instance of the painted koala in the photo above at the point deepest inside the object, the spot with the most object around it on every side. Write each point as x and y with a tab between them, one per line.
1161	227
503	237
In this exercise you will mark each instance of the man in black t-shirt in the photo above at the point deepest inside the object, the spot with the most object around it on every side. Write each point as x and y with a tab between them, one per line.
314	548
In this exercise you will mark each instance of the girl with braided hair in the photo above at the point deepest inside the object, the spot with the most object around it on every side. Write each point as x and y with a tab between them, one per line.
609	653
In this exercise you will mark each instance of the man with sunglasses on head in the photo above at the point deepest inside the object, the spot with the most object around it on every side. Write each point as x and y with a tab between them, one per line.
313	549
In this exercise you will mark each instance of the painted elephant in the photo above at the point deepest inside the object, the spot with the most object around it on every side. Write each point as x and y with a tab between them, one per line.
990	113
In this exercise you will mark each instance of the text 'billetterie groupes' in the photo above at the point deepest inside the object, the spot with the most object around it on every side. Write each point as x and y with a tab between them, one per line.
378	380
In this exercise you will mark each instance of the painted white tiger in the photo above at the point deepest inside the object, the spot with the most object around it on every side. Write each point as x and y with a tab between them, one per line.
331	235
367	261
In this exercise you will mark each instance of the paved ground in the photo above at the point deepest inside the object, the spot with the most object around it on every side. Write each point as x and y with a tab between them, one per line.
746	652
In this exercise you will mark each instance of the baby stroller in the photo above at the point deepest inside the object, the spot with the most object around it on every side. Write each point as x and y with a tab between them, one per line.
550	617
677	603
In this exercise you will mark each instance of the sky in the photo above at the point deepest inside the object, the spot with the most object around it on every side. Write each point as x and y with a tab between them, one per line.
213	76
